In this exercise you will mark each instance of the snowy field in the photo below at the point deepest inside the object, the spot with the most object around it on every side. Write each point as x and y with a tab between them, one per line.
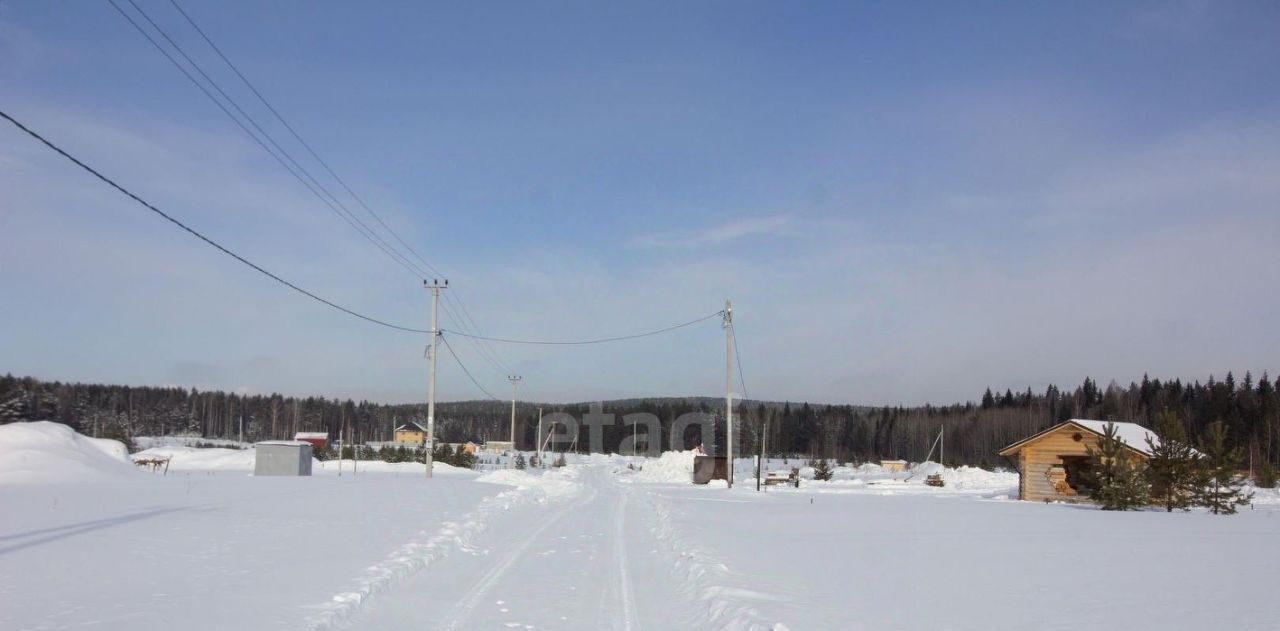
88	540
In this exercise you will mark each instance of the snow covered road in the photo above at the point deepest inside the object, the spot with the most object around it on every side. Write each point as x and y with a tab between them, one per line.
570	562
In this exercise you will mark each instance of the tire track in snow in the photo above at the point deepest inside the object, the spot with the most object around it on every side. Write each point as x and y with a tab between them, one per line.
628	621
413	557
726	603
463	610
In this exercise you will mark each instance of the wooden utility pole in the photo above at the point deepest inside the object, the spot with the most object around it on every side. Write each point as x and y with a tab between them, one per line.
435	288
728	387
515	381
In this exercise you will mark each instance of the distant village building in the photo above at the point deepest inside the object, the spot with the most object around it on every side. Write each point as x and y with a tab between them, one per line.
894	466
411	433
317	440
282	457
1053	464
466	448
498	446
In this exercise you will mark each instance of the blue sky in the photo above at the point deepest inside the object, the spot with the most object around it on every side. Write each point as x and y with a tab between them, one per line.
906	202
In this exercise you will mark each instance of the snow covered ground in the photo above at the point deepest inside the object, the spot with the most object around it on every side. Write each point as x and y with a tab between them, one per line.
86	539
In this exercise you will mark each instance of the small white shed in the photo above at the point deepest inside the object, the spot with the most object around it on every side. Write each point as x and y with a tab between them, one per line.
282	457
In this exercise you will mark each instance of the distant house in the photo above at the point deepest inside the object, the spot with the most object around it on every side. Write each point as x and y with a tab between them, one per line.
411	433
1053	464
498	446
894	466
318	440
467	447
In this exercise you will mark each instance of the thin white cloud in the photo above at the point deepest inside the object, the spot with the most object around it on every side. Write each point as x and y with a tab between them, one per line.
717	235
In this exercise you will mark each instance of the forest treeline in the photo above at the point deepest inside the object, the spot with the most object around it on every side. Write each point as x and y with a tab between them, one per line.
975	431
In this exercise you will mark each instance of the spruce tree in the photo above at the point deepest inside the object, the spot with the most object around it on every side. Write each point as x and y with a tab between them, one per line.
1116	482
1266	477
520	463
1174	470
821	469
1223	489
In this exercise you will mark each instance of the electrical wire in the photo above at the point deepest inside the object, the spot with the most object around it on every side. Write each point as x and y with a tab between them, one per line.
485	349
464	368
733	332
200	236
299	138
475	329
476	344
593	341
299	172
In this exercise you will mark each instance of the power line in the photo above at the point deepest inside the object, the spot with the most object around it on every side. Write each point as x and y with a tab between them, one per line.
296	170
484	348
476	344
299	138
464	368
475	328
595	341
197	234
737	356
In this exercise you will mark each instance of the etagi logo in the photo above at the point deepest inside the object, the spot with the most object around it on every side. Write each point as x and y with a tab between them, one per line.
562	428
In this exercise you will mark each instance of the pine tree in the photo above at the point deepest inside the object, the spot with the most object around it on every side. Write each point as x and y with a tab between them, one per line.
821	469
1266	477
1223	490
520	463
1116	482
1174	470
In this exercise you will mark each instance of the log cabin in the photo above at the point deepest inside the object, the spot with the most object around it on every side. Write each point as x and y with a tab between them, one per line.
1052	463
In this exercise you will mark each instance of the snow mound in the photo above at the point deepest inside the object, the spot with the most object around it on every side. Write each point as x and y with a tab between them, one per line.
52	452
965	477
194	459
558	482
672	467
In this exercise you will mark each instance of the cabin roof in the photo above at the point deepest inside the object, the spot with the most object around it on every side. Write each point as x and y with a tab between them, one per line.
411	426
1134	436
302	435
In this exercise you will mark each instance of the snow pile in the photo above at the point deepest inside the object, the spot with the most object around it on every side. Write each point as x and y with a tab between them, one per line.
194	459
555	483
672	467
964	477
52	452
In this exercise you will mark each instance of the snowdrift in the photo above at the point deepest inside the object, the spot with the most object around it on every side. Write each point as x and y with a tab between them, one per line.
209	459
43	452
559	482
672	467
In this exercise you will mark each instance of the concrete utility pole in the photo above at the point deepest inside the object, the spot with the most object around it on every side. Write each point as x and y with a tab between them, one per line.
538	440
435	288
515	381
728	387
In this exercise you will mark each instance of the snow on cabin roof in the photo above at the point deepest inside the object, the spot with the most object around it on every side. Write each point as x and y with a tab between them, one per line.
291	443
301	435
411	426
1131	434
